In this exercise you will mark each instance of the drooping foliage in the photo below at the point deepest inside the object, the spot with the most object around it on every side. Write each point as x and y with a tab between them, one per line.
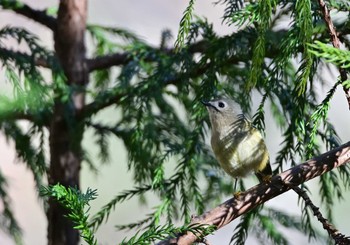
278	51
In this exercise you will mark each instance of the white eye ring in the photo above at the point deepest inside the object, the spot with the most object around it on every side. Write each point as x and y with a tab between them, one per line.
221	104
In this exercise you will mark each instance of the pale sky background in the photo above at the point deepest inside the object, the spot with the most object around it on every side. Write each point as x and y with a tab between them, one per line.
146	18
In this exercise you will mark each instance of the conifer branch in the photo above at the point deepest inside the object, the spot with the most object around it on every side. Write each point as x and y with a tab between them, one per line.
118	59
110	99
332	231
38	61
19	116
104	62
185	25
39	16
98	105
259	194
336	43
41	118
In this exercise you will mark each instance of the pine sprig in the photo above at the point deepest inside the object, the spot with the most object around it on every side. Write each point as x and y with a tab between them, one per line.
307	222
109	40
329	190
99	32
264	12
75	202
137	224
284	218
241	231
32	157
8	223
103	214
330	54
156	93
319	114
303	22
245	16
341	5
231	7
266	226
150	235
30	101
184	25
24	62
259	116
162	232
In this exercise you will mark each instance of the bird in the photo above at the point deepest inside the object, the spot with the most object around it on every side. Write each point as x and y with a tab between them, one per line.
238	146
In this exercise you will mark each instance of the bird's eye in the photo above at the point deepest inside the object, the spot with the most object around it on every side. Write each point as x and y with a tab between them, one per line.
221	104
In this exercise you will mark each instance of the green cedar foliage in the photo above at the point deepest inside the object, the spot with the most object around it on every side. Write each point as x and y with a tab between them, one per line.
75	202
279	49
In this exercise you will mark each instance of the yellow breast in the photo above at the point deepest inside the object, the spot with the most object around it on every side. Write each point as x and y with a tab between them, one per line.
240	150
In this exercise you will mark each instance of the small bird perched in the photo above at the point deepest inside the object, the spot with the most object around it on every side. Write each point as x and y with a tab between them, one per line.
237	145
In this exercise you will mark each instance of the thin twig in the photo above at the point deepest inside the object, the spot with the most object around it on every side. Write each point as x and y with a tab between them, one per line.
332	231
39	16
336	43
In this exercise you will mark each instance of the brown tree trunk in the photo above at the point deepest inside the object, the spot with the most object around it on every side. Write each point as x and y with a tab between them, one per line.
66	131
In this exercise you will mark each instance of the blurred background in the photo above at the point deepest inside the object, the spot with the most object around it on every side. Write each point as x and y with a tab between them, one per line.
147	19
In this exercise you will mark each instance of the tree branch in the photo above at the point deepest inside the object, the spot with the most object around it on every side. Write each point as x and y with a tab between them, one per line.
332	231
38	118
98	104
235	207
107	99
336	43
17	116
117	59
38	61
66	133
107	61
39	16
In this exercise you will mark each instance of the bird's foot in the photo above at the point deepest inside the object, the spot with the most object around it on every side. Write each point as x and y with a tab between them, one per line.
267	178
237	194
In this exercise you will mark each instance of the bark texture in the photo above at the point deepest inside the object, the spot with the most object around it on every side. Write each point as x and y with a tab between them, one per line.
65	128
246	201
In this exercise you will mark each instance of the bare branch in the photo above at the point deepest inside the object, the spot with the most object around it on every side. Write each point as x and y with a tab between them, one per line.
235	207
336	43
104	62
39	16
98	105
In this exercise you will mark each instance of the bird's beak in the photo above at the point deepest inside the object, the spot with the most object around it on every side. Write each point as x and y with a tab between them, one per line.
206	103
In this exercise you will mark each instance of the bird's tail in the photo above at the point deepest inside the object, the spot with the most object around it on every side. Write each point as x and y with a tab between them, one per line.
264	174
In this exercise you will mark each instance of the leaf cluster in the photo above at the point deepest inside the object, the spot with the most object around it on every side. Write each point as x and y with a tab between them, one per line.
156	92
75	202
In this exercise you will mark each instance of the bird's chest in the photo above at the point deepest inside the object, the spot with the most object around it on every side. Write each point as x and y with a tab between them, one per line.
233	150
